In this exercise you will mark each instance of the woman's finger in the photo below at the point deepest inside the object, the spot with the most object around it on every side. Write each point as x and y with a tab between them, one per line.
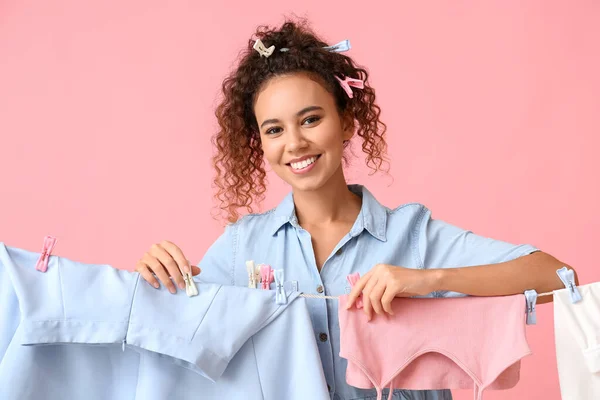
159	270
357	289
195	270
367	308
386	300
182	263
375	297
169	263
143	270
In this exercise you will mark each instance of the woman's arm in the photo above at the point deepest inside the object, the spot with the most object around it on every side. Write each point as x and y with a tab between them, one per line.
534	271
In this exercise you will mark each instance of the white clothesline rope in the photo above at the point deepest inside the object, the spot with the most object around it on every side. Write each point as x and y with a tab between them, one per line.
320	296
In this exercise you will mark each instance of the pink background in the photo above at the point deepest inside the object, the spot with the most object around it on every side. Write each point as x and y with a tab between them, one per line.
493	109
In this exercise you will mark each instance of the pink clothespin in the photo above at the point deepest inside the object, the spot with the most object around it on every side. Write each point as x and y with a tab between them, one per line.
266	275
352	279
348	83
42	262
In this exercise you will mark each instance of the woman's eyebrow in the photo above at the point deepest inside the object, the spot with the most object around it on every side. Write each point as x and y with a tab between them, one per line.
299	113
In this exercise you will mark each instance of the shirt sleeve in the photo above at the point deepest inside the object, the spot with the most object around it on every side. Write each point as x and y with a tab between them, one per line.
443	245
218	263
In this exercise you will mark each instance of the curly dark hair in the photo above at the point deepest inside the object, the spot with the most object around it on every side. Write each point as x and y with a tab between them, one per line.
239	164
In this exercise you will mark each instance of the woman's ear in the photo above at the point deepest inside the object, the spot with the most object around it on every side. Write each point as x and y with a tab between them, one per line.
347	126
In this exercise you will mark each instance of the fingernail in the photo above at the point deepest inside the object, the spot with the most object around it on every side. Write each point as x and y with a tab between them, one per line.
172	290
155	285
186	269
181	285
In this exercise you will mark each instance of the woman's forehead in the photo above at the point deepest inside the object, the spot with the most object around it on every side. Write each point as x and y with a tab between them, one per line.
287	94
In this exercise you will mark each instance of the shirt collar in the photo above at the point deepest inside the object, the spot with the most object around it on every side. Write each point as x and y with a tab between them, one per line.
372	216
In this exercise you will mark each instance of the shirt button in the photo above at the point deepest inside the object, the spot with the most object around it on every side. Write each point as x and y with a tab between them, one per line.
323	337
339	252
320	289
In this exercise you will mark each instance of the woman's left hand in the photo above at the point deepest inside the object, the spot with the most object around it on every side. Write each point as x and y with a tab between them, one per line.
384	282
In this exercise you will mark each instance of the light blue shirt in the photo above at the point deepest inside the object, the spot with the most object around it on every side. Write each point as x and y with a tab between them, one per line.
406	236
86	331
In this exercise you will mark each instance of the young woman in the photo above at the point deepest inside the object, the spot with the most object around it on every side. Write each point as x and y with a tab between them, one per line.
296	103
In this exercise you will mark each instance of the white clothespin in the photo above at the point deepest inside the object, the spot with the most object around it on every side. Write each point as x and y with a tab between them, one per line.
567	276
253	274
530	298
190	286
280	296
262	50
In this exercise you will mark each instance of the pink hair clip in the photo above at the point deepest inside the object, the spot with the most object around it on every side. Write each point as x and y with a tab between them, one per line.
42	263
348	83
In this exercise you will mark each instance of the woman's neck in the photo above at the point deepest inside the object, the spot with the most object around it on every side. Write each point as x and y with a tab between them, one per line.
332	203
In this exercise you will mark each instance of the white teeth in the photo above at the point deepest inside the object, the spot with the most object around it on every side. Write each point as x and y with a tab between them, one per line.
304	163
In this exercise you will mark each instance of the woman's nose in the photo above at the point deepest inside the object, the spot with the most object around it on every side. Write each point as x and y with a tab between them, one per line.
296	139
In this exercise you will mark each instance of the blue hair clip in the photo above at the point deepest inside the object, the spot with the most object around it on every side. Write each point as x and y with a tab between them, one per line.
340	47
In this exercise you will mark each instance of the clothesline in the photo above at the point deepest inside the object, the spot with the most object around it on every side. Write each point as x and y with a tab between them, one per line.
320	296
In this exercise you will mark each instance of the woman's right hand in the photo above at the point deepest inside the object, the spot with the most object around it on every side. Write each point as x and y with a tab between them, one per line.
165	261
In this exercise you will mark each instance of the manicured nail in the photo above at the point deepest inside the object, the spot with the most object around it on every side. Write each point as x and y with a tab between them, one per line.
155	285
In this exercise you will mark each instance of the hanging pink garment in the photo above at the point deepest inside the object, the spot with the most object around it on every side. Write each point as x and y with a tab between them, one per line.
432	344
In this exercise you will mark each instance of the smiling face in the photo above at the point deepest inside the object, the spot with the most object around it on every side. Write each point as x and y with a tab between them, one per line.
301	130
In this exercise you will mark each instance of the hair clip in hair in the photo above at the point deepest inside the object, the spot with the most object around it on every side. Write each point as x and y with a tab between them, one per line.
348	83
340	47
262	50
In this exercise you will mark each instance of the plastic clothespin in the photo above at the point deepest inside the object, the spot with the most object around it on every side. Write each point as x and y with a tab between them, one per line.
352	279
262	49
530	300
348	83
42	262
190	286
253	274
340	47
280	295
266	274
567	276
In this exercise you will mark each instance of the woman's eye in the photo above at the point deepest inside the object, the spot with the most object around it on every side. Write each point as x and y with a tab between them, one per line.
272	131
311	120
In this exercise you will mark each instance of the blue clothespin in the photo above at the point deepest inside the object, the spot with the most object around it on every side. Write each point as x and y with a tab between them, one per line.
280	296
340	47
530	298
567	276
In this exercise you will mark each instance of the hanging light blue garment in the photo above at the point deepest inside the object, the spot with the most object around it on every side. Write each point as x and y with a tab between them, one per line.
86	331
